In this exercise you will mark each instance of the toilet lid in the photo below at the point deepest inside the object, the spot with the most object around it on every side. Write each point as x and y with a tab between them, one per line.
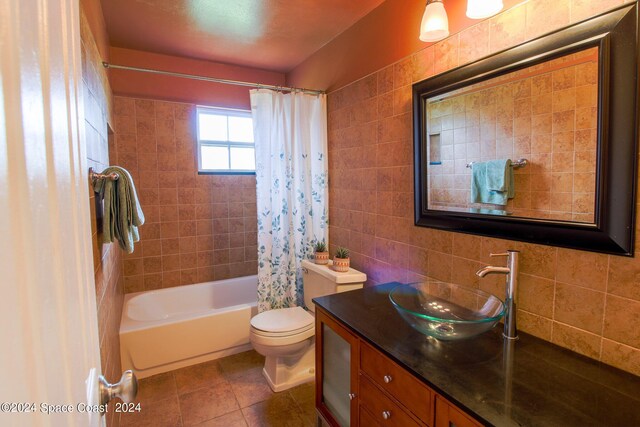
291	320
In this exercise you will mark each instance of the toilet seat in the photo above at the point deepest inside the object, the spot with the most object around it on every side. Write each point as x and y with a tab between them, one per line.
280	341
282	322
280	334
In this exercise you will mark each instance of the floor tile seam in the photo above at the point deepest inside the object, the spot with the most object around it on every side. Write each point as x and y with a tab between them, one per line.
175	383
219	415
201	387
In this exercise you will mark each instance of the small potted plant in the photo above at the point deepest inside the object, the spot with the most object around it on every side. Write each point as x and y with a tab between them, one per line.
321	254
341	260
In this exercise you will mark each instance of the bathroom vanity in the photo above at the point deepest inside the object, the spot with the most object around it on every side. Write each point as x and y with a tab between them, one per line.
373	369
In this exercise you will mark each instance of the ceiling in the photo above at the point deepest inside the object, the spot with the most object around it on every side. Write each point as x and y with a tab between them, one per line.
274	35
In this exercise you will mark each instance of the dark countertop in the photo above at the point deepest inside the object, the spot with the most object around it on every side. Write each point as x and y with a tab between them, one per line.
544	385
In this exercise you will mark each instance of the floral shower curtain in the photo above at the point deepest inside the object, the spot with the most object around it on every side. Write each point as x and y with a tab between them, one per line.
290	132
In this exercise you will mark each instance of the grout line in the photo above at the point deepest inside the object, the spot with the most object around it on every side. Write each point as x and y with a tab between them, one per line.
553	302
604	309
177	396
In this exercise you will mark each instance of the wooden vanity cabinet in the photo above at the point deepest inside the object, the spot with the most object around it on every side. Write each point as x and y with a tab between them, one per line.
357	385
337	368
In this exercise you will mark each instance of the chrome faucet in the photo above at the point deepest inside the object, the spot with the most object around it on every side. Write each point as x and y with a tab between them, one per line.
511	271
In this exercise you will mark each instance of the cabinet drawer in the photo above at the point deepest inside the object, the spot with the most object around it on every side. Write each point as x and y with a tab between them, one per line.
366	419
448	415
400	384
382	409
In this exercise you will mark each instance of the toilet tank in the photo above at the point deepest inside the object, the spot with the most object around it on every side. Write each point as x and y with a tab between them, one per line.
320	280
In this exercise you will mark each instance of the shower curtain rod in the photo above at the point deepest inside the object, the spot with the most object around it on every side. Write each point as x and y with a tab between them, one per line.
213	79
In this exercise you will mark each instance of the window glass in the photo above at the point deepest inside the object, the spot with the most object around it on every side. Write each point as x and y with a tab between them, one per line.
214	157
240	129
225	141
243	158
213	127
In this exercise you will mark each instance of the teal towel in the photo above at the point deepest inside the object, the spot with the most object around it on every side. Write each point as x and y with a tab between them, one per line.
122	212
492	182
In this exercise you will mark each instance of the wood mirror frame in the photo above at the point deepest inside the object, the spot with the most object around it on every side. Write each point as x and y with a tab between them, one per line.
615	35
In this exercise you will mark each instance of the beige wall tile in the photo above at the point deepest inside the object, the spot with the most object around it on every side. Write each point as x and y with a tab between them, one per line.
579	307
582	268
540	21
423	66
575	339
624	277
535	325
536	295
446	54
538	260
622	320
440	265
583	9
463	271
467	246
621	356
474	42
508	28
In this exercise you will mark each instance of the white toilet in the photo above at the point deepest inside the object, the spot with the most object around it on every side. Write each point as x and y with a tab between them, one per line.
286	336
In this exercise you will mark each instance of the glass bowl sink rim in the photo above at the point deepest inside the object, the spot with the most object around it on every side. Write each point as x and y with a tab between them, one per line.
439	319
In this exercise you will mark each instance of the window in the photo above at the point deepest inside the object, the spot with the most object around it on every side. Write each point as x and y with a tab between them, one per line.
225	141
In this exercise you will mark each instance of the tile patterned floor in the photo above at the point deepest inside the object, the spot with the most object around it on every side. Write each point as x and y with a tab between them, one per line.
228	392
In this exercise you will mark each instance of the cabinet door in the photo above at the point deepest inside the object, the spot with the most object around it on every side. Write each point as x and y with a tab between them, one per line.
447	415
336	372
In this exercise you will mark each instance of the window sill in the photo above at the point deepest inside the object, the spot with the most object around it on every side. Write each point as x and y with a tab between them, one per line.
226	172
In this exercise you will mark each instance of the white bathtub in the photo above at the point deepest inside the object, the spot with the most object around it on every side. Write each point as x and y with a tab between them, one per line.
171	328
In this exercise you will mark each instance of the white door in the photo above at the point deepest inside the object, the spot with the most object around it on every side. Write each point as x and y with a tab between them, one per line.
48	324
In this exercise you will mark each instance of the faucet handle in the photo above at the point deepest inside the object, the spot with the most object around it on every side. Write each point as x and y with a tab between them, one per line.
501	254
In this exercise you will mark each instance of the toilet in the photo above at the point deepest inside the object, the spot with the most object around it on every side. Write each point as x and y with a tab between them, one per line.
285	336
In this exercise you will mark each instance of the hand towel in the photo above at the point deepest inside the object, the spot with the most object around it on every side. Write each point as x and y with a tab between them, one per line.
492	182
122	212
497	174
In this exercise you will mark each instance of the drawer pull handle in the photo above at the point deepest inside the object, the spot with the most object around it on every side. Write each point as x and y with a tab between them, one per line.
386	414
387	378
352	396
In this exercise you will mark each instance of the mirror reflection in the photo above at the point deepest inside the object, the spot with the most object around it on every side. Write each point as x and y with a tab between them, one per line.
521	144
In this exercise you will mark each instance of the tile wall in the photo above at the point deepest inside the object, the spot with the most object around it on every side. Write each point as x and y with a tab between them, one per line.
198	227
546	114
107	259
584	301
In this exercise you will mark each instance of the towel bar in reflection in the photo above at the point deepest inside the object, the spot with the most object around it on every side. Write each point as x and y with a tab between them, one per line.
520	163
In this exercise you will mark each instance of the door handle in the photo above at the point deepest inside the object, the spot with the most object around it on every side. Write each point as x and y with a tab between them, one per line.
126	389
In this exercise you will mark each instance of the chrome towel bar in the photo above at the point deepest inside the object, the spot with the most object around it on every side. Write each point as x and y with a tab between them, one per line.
520	163
94	176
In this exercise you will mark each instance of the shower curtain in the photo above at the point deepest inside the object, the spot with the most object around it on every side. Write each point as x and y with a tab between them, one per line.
290	133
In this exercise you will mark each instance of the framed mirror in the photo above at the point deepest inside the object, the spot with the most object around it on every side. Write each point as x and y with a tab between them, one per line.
535	143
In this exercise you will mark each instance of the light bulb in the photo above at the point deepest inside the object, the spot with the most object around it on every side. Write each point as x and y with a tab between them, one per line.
435	23
480	9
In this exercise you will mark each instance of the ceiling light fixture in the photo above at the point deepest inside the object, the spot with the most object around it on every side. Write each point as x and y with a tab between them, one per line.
435	23
480	9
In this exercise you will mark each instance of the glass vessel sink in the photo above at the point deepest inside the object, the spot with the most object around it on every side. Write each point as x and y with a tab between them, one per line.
447	311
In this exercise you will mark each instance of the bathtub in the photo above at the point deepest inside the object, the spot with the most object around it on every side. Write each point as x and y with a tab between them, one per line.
176	327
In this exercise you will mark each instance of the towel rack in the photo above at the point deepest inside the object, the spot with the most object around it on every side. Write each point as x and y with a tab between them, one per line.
94	176
520	163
